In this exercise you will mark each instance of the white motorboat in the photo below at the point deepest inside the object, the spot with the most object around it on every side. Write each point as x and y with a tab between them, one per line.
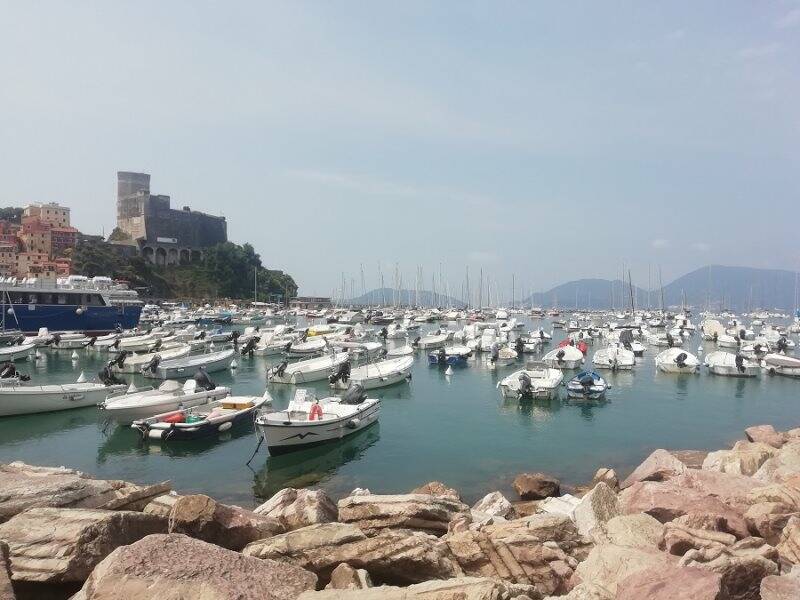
503	356
313	369
780	364
170	395
138	343
728	341
187	366
616	358
309	347
431	340
134	363
395	331
301	425
530	383
376	375
68	340
587	385
566	357
404	350
360	350
677	360
200	421
20	352
731	365
28	399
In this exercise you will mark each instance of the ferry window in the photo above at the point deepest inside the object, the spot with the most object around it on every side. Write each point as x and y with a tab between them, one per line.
46	298
33	298
62	298
17	298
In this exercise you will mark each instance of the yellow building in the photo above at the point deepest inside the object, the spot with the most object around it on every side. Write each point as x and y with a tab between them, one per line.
51	213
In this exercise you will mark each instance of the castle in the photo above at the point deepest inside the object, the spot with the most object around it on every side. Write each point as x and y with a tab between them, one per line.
163	235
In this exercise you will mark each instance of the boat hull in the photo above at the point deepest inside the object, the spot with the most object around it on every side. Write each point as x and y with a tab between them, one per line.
29	400
93	319
161	403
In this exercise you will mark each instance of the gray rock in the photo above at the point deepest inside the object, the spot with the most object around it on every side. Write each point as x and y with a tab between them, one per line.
437	488
299	508
420	512
494	505
461	588
596	508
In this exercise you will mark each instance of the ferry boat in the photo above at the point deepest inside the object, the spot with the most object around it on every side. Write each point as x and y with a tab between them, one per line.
74	303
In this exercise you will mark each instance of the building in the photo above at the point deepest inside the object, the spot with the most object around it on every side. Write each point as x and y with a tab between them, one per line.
312	302
8	259
62	238
51	213
163	235
36	236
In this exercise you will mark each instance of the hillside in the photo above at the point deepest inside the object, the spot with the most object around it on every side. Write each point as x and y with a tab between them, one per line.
389	296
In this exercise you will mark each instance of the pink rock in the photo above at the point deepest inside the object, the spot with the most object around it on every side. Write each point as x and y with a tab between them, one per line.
670	583
765	434
659	466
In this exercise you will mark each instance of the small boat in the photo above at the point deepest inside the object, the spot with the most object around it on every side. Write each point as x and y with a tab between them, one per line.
527	345
360	350
170	395
135	363
29	399
504	356
373	375
19	352
779	364
301	425
396	331
404	350
431	340
200	421
566	357
588	385
313	369
676	360
731	365
531	383
68	340
187	366
305	348
616	358
450	355
138	343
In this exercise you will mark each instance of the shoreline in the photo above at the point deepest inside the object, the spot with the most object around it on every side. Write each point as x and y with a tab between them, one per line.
720	525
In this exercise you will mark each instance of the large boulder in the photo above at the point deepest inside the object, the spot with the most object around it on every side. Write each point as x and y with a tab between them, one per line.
789	543
638	530
536	486
231	527
786	587
60	545
161	505
607	476
461	588
423	512
765	434
671	583
693	459
767	519
659	466
397	557
560	505
745	458
596	508
609	564
782	466
159	567
787	493
493	505
294	508
679	539
25	486
6	591
437	488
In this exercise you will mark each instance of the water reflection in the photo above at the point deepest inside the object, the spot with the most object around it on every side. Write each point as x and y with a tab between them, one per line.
313	465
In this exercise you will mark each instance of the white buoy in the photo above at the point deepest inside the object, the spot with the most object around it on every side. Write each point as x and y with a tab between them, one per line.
700	349
74	355
132	388
234	364
449	370
211	345
82	378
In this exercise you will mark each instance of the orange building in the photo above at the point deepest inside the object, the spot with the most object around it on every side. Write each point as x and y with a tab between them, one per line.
51	213
8	259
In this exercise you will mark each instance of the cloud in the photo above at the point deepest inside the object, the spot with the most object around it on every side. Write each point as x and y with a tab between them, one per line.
701	246
759	50
790	19
659	243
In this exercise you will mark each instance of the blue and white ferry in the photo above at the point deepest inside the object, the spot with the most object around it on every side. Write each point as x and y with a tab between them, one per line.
74	303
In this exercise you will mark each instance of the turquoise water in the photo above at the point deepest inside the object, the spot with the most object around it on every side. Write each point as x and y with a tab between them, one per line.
454	429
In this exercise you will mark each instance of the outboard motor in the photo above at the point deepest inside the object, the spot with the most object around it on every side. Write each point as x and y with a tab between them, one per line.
541	334
54	341
560	355
108	377
739	360
384	333
8	370
757	349
354	394
201	335
18	341
119	360
416	341
342	374
519	346
742	334
115	345
670	340
587	381
781	345
153	364
118	328
250	346
495	353
680	360
525	386
281	368
715	336
235	338
91	342
304	336
441	356
203	381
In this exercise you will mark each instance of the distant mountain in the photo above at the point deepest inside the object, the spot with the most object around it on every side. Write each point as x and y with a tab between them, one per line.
389	297
588	293
737	288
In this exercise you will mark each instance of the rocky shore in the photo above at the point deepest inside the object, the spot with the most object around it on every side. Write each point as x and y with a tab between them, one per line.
686	525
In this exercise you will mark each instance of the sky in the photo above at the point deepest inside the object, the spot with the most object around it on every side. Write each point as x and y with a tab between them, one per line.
544	141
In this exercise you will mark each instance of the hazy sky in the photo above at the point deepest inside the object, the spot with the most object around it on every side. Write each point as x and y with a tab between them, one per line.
548	140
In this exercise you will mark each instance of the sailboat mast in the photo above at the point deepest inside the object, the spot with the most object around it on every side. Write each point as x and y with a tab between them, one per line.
512	290
630	286
661	285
